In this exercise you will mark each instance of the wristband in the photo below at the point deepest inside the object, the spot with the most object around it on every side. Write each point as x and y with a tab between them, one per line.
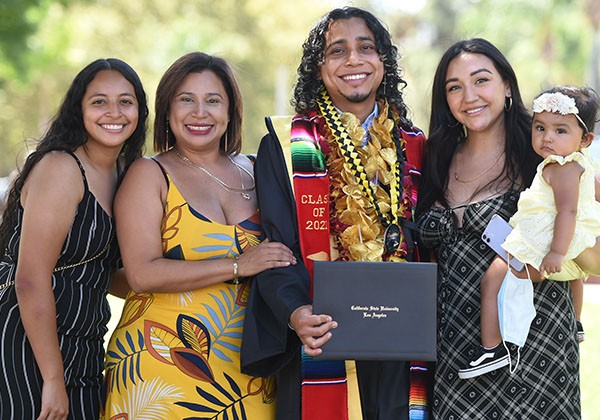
236	279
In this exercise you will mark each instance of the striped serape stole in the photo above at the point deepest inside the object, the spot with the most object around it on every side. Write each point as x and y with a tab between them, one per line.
330	387
420	373
324	382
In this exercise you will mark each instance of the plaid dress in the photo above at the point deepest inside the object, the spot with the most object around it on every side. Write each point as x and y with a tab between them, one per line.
545	385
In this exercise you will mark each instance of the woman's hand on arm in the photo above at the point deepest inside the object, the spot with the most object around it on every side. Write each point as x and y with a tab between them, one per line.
50	198
139	210
264	256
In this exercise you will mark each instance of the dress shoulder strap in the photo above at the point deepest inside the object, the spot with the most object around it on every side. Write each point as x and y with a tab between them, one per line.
162	169
81	168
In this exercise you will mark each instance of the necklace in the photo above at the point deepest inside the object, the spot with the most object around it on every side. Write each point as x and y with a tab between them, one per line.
243	191
370	203
485	171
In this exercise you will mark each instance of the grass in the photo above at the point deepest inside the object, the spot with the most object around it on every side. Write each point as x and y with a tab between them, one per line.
590	362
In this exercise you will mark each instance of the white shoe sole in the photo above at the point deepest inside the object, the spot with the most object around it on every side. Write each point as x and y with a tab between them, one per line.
480	370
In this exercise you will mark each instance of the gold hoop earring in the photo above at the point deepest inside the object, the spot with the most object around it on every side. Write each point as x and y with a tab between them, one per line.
225	142
508	103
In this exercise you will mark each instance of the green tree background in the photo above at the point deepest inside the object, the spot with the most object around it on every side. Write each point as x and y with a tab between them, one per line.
44	43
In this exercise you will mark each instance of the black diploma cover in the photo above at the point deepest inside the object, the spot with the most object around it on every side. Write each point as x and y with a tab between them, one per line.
384	310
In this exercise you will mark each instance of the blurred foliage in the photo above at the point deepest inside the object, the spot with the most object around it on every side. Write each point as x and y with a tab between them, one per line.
260	38
18	20
547	42
44	43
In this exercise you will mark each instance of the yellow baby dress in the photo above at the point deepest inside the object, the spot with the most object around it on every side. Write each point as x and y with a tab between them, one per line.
533	223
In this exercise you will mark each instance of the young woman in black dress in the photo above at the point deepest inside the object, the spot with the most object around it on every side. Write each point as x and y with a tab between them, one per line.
60	250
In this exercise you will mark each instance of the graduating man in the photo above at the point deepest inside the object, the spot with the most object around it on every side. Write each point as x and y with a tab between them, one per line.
355	159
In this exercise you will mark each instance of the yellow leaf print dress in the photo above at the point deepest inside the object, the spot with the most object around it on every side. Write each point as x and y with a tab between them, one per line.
177	355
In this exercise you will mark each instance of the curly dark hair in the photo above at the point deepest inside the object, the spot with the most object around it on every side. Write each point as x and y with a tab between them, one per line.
309	83
67	132
445	134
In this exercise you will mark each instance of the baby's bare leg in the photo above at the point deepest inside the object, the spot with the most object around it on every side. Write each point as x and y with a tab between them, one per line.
490	286
577	292
589	259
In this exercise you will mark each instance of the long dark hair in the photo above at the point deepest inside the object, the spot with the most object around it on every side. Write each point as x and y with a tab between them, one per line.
67	132
197	62
445	134
309	83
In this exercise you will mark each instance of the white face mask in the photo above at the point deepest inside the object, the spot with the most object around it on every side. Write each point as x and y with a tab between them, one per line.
515	310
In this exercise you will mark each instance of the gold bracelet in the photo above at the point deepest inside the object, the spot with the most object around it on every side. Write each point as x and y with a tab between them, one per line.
236	279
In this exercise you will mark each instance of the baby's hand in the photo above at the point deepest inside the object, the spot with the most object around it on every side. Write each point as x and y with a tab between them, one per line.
552	263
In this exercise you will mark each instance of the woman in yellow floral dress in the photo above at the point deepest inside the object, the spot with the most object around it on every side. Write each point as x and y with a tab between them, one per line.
190	236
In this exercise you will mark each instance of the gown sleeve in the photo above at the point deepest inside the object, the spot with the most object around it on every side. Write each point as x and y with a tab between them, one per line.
268	342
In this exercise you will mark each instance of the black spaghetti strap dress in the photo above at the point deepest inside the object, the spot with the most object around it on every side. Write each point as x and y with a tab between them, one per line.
80	282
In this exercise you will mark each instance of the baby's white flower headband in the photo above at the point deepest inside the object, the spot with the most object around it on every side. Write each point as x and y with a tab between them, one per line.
557	102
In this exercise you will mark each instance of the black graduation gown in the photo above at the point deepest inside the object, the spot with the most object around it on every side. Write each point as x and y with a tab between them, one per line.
269	345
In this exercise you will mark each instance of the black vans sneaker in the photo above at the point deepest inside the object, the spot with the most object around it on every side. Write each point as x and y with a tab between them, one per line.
580	332
485	361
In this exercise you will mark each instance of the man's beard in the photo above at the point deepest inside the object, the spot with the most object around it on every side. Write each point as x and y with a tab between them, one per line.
357	97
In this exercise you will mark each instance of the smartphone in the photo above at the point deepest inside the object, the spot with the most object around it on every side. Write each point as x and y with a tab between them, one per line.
494	235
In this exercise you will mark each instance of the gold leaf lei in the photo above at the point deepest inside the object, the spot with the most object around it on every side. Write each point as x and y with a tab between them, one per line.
355	225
